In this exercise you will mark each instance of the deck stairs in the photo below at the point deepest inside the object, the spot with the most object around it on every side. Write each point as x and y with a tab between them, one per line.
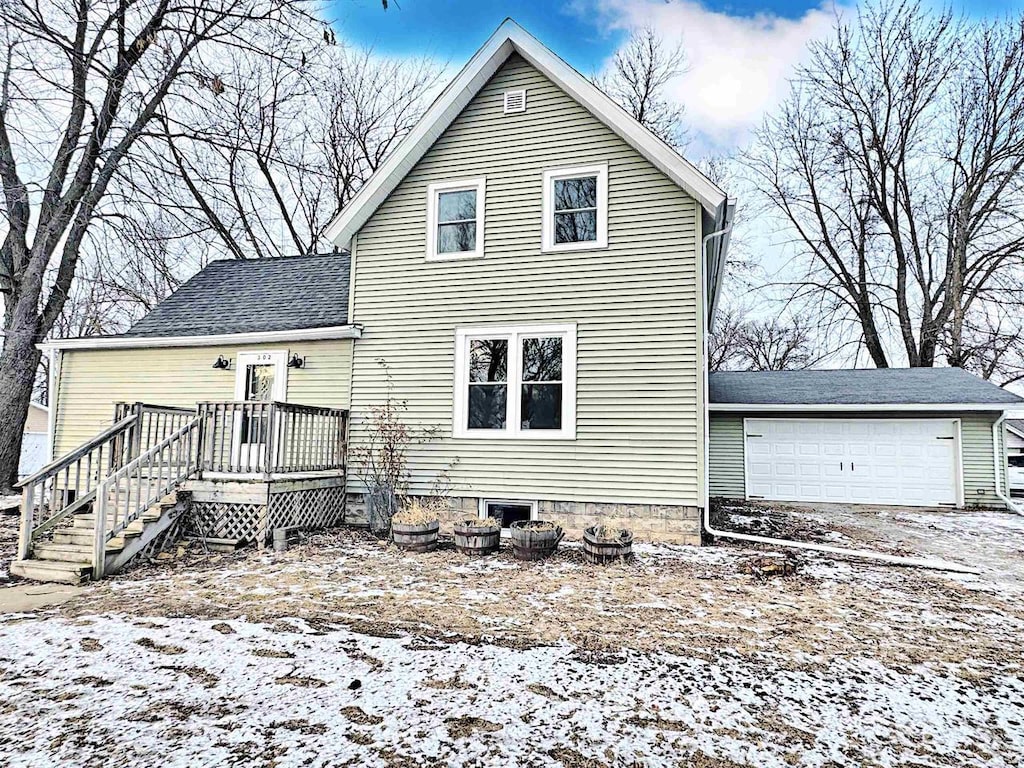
67	557
90	512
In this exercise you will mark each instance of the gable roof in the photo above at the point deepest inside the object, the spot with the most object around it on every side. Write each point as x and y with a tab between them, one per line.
254	296
864	389
1016	426
509	38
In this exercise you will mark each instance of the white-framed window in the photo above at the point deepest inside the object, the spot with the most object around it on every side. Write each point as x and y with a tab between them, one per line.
508	510
576	208
455	219
515	382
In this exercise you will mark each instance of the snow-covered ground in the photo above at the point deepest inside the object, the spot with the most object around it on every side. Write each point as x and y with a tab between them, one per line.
346	652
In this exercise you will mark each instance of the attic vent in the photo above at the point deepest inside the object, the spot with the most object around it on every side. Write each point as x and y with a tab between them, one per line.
515	101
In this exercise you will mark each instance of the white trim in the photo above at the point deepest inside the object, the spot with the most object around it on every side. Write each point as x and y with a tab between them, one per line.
860	407
56	357
510	38
276	357
1015	431
150	342
548	244
514	333
959	492
514	93
240	454
477	185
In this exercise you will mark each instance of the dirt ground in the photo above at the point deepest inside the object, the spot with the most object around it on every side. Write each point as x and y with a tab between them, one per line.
686	656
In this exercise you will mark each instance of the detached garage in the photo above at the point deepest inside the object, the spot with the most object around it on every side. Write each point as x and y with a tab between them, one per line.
923	437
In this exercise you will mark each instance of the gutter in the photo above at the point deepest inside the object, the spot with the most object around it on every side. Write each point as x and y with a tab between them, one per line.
999	466
865	554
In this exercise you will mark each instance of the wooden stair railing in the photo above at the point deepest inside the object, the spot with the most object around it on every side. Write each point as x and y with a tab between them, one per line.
69	484
128	492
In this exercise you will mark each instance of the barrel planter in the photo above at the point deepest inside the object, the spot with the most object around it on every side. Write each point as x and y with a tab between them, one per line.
534	539
415	537
607	545
474	538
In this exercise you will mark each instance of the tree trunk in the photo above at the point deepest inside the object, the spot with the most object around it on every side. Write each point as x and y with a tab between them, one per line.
18	364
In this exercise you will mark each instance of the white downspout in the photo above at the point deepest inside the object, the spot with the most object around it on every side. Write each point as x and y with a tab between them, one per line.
997	466
940	565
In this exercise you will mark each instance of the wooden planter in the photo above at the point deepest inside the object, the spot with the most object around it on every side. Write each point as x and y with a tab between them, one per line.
604	551
415	538
528	543
475	539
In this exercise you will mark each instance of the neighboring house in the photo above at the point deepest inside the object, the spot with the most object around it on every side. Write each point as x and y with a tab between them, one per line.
532	273
34	448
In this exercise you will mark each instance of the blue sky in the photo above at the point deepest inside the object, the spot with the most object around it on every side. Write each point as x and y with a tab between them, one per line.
452	29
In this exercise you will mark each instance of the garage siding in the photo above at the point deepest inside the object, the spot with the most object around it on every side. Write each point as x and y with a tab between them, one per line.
635	305
725	456
979	469
726	469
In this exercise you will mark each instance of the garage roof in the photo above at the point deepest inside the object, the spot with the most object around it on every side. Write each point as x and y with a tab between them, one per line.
861	389
254	295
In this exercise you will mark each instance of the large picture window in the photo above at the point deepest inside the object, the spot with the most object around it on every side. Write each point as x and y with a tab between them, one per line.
455	219
576	208
516	382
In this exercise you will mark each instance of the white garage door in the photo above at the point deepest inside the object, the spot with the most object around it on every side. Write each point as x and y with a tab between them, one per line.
860	461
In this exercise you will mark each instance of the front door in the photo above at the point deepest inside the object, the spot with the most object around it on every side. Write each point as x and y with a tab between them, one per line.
260	377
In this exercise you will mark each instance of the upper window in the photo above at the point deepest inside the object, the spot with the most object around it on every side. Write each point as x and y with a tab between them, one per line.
576	208
516	382
455	219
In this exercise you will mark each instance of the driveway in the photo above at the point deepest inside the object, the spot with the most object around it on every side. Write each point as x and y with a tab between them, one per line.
991	541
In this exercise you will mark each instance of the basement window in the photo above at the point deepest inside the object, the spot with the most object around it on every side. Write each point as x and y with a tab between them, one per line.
507	511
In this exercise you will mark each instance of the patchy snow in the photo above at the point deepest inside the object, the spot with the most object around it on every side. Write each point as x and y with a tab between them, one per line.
181	692
682	657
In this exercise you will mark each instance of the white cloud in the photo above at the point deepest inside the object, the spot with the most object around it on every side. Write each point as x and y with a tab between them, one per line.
738	65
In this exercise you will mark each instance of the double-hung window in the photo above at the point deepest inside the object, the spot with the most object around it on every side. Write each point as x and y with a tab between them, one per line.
575	208
517	381
455	219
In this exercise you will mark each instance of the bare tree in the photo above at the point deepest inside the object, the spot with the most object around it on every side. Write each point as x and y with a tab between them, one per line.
724	340
741	343
775	345
81	84
897	162
638	79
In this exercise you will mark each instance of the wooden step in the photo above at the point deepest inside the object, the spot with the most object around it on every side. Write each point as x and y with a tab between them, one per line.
85	536
70	553
52	571
88	522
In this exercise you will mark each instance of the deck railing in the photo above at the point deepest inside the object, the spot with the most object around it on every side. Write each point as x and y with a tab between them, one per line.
69	484
257	437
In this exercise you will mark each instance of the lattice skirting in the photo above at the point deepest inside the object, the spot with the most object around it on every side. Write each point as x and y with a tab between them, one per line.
318	507
227	520
310	504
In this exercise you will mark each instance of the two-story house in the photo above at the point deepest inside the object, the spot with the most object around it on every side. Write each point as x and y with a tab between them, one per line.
531	275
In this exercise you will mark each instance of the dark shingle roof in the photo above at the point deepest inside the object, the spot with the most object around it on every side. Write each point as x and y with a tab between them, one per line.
254	296
881	386
1017	424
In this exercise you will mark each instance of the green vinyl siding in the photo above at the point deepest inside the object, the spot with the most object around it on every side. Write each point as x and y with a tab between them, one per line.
726	466
725	456
635	305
